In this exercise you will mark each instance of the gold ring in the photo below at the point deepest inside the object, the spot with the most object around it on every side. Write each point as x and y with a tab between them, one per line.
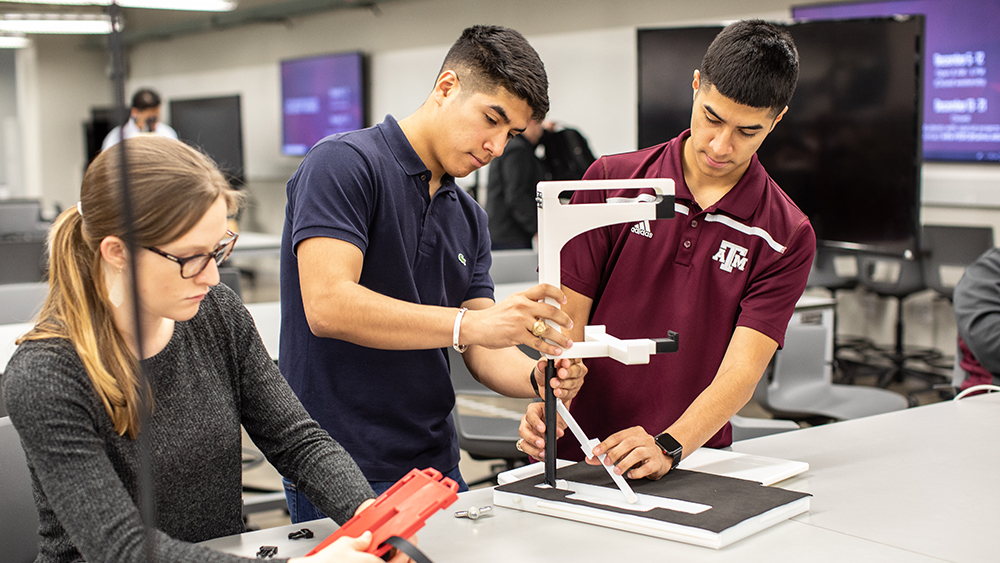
538	329
518	443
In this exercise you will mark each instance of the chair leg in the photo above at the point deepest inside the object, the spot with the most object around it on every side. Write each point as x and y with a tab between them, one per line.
898	372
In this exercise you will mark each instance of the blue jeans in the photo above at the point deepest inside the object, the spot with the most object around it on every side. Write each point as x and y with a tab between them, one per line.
301	510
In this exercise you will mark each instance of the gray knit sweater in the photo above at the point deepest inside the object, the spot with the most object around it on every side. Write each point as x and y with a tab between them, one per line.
213	376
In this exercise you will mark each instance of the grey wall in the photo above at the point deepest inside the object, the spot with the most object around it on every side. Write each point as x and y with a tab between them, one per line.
9	164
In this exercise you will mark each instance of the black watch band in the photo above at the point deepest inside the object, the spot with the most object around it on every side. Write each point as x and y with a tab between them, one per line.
671	447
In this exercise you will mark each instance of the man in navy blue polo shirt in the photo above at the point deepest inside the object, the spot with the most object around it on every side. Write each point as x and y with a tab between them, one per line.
725	273
385	262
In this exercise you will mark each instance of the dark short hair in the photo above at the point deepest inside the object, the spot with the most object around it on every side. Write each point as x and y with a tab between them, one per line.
145	99
487	57
753	63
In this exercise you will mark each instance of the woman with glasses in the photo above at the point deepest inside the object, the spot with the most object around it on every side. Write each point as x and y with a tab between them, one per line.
82	387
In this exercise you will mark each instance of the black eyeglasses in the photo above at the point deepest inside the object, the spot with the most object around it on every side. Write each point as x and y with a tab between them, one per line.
194	265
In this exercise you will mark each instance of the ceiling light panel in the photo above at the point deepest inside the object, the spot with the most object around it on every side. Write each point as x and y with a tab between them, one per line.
55	23
190	5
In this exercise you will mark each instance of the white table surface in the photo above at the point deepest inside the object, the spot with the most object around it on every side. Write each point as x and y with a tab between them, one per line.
915	485
923	479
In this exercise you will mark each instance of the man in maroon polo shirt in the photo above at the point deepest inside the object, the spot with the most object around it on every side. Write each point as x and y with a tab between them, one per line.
725	273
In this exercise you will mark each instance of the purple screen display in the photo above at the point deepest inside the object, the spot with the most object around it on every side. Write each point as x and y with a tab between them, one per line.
961	93
320	96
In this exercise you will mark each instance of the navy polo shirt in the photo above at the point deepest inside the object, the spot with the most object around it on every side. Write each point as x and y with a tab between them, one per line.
390	409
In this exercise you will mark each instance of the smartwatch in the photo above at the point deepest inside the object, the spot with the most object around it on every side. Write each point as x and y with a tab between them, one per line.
670	447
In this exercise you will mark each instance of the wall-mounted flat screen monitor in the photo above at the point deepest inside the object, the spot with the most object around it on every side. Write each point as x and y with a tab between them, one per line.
213	125
961	94
320	96
848	149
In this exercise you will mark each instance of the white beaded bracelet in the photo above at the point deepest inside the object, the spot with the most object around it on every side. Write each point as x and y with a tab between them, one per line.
458	325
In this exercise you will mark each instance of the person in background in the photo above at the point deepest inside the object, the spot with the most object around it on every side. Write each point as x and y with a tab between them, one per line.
977	314
144	117
725	272
75	397
385	263
510	201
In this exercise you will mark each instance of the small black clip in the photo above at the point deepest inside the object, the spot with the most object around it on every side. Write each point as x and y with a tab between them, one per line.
304	533
267	551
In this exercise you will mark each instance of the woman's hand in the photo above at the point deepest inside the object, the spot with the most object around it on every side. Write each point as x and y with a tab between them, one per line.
344	550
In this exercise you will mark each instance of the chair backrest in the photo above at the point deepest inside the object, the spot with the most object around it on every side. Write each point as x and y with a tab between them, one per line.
891	275
18	515
801	361
947	252
512	266
20	302
833	269
23	258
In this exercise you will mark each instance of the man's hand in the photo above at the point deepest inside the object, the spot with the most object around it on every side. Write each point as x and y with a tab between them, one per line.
532	430
634	453
568	379
509	322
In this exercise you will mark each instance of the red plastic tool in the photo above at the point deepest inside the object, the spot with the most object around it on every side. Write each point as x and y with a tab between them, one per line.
400	511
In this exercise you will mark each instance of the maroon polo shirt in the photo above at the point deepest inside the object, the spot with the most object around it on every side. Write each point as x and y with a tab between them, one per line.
742	262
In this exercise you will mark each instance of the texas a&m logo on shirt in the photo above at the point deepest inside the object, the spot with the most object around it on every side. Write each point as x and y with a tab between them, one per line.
731	255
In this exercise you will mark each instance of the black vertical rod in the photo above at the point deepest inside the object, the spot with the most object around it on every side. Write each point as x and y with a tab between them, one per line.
550	425
147	506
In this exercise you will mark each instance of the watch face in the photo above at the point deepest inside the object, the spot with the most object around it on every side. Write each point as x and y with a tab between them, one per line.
668	443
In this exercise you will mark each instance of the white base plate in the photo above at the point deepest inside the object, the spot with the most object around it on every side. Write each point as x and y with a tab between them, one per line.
719	462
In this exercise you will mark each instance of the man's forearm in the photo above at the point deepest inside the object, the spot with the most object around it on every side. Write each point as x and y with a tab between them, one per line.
356	314
745	361
506	371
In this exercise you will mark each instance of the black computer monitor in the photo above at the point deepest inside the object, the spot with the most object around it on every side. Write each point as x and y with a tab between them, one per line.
213	125
848	151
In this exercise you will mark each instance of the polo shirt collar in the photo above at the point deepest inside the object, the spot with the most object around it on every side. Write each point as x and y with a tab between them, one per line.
401	148
404	154
739	202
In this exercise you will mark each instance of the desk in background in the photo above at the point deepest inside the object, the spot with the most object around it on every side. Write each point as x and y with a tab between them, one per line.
917	485
252	244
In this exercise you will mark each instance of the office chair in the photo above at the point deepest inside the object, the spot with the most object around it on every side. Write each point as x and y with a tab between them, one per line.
833	269
800	385
898	277
836	269
23	257
948	250
19	517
